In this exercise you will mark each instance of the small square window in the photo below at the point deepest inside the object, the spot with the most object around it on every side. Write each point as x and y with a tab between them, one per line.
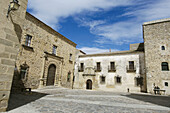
166	83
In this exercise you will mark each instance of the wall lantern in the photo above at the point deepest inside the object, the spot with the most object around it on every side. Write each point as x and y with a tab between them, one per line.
13	6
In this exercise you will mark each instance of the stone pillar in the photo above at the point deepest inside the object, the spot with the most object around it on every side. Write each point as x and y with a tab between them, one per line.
10	35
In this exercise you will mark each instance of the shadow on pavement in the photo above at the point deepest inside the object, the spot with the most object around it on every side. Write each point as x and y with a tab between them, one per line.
159	100
21	98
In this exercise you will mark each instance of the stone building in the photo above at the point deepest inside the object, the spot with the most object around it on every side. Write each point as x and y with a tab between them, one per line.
115	71
156	36
45	57
10	29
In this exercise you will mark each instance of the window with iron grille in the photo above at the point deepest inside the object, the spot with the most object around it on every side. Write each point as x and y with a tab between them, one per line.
28	40
165	66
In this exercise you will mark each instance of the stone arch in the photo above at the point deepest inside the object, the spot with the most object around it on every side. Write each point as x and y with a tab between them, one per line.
51	75
47	66
89	84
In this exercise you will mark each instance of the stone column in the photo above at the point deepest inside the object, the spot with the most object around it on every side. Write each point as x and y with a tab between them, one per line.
10	35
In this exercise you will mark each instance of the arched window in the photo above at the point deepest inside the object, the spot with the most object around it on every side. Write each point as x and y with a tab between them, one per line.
163	47
165	66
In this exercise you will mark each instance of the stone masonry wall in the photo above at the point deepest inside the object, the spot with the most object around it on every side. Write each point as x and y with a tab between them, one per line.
43	39
156	35
9	44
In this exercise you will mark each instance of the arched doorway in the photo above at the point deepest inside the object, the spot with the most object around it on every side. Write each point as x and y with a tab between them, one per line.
89	84
51	75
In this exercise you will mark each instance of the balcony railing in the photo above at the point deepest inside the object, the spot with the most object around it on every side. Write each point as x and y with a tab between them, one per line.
111	69
131	68
98	69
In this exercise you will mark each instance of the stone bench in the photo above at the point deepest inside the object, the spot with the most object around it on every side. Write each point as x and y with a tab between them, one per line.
158	91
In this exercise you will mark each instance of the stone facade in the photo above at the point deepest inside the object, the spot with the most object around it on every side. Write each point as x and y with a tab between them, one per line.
157	51
10	32
128	77
38	56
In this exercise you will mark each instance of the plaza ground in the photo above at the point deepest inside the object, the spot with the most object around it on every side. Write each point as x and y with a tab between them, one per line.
63	100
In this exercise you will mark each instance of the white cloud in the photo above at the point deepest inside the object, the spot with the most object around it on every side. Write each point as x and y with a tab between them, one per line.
51	11
93	50
130	30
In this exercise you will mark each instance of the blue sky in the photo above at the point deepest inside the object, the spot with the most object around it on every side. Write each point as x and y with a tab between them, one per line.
99	25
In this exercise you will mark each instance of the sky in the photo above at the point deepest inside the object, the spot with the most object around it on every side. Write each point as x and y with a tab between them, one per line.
99	25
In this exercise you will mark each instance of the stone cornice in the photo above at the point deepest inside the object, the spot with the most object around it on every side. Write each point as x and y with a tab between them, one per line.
156	21
52	30
112	53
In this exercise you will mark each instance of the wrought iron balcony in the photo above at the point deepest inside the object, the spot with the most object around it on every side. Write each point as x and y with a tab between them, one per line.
131	68
98	68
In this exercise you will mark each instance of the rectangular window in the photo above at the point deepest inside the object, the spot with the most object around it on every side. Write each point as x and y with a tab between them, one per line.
102	79
166	84
54	49
98	66
28	40
23	73
112	65
70	57
131	65
82	66
165	66
118	79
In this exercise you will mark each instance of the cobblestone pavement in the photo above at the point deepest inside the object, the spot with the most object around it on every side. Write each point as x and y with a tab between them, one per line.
62	100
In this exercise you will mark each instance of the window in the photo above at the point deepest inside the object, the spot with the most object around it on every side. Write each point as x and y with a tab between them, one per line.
70	57
28	40
166	83
23	73
54	49
68	76
112	65
139	81
131	65
118	79
98	66
163	47
102	79
165	66
81	67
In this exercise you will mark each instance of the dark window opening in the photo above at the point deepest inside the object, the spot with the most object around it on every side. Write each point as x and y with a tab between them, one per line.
81	68
28	40
102	79
112	65
139	81
131	65
118	80
165	66
166	83
163	47
98	66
